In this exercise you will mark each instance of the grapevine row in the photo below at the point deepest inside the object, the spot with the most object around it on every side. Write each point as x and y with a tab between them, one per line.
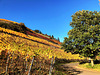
43	37
8	21
25	46
33	32
28	37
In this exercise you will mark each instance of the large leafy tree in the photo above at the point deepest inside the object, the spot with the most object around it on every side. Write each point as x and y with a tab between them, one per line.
84	37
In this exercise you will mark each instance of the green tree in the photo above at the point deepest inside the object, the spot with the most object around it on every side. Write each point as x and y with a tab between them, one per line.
84	37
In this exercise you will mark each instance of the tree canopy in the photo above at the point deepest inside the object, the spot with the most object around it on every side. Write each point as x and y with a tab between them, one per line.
84	37
38	31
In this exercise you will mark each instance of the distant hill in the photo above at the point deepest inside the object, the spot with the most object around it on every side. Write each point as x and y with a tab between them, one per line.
20	27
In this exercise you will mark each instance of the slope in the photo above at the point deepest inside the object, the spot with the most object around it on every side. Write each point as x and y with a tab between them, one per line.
18	49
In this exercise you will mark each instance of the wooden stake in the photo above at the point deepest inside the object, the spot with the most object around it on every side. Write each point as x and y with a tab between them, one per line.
7	63
51	67
31	66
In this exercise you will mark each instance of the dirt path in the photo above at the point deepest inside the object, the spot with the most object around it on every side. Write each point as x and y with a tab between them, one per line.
74	70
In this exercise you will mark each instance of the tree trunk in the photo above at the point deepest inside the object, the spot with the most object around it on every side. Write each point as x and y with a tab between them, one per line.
92	62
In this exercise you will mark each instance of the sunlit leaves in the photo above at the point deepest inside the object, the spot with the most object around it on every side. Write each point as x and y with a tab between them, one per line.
28	37
8	21
21	47
22	50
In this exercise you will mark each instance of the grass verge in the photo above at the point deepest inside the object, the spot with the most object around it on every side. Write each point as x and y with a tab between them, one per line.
96	67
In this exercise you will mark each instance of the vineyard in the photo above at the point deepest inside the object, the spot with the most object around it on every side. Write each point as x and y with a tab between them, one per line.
28	37
8	21
27	52
21	48
20	27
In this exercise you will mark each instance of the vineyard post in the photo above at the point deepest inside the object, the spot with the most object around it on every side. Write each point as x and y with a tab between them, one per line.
54	61
40	68
12	60
51	67
7	63
26	63
31	66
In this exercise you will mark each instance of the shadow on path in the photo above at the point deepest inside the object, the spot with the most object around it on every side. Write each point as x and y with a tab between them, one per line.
70	70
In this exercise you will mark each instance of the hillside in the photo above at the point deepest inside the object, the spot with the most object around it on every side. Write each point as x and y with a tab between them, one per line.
20	27
17	49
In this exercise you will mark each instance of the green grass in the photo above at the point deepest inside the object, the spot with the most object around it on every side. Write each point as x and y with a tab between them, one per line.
88	65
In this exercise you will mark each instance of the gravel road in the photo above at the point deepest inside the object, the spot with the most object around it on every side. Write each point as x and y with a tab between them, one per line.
73	69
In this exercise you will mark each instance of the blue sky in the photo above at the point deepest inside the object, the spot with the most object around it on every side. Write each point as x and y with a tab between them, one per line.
51	17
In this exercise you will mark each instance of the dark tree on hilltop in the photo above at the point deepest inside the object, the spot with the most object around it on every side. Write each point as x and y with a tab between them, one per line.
58	39
52	37
84	37
38	31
